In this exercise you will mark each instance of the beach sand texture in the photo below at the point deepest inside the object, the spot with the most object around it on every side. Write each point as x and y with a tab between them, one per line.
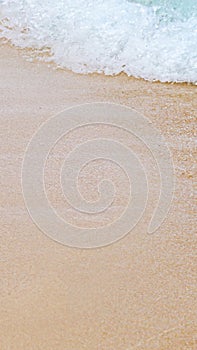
139	293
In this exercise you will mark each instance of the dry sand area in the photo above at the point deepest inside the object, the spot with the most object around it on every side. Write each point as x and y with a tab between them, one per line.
138	293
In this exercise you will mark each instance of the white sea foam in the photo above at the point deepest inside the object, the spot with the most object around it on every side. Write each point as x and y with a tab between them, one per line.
111	36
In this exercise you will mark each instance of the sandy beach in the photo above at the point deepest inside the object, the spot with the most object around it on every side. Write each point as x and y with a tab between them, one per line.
138	293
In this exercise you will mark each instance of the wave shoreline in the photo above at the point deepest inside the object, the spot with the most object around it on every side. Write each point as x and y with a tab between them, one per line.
130	37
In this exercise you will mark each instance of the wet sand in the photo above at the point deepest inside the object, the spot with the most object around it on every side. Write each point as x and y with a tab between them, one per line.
138	293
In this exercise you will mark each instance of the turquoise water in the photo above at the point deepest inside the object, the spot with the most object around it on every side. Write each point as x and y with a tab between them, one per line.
152	39
173	8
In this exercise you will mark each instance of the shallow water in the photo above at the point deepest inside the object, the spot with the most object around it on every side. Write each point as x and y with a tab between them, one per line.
155	40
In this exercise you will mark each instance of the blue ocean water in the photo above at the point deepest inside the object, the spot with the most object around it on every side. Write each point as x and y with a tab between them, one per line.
152	39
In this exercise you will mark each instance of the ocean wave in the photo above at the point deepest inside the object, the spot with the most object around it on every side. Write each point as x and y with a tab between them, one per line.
143	39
